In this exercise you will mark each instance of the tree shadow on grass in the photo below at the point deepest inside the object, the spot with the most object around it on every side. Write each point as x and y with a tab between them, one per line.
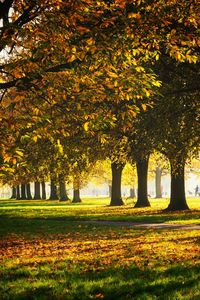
124	282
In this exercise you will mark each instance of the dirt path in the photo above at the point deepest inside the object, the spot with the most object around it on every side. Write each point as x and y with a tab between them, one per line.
145	225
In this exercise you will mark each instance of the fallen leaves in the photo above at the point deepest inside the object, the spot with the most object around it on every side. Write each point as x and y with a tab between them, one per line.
98	249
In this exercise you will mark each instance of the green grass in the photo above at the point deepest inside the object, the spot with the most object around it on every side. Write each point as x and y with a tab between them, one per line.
98	209
47	252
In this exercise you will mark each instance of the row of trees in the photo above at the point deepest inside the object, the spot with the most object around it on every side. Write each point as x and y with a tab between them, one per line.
88	80
99	173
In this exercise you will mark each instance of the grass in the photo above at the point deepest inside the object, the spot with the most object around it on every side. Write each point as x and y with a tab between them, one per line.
98	209
47	252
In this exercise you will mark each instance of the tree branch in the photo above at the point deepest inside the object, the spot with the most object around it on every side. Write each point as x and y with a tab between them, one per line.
26	81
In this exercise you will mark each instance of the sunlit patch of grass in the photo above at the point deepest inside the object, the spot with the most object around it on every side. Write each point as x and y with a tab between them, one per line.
20	212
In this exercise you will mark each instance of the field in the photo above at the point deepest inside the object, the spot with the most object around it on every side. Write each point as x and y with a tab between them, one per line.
52	250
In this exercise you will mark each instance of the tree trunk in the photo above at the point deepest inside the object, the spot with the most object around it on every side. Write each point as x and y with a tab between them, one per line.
18	192
37	191
116	197
76	190
142	174
132	193
62	189
158	175
53	191
43	190
177	197
28	191
23	191
76	196
14	193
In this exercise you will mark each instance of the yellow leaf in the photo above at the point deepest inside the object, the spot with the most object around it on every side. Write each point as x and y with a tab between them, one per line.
60	147
156	83
90	41
134	16
86	126
115	83
132	113
113	75
7	158
72	58
147	93
139	69
20	153
35	138
144	107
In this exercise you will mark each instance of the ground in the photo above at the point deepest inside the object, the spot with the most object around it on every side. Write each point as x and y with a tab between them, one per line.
52	250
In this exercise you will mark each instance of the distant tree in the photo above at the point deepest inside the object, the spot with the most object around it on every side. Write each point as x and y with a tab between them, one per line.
129	178
159	167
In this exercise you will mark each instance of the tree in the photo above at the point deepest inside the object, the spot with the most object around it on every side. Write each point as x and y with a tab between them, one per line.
97	44
140	146
62	188
43	190
28	191
101	173
116	198
158	166
13	196
129	178
176	120
93	25
53	190
76	189
37	195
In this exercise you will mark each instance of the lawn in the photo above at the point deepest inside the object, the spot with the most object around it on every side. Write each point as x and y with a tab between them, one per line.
48	251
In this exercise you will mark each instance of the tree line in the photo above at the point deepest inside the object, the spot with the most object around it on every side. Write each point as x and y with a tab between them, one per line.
86	81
